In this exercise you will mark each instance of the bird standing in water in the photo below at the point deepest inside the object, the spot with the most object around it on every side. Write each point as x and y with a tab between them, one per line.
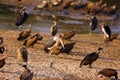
90	58
93	23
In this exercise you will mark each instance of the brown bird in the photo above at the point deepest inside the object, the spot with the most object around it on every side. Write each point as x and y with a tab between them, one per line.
2	49
112	37
90	58
42	5
108	72
27	74
24	34
68	35
54	29
68	47
2	61
32	40
110	10
23	54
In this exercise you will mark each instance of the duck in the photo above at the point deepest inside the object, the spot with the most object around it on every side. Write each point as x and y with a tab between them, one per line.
24	34
30	41
109	72
27	74
23	54
68	35
90	58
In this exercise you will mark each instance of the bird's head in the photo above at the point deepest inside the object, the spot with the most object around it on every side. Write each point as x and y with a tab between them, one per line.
100	48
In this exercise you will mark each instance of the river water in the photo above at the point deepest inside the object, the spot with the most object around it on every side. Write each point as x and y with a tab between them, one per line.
43	24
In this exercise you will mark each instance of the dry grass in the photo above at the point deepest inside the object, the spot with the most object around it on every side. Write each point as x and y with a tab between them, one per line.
66	66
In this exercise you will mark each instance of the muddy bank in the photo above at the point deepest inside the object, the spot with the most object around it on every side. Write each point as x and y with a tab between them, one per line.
66	66
70	14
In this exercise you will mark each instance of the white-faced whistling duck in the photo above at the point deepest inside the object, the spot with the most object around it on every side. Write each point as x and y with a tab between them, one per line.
90	58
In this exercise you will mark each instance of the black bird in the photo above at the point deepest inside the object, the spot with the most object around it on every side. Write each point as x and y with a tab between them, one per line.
30	41
27	74
23	54
93	23
24	34
106	30
1	40
108	72
54	45
90	58
22	18
2	49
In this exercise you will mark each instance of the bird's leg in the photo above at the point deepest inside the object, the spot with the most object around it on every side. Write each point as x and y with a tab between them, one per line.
91	32
51	60
90	66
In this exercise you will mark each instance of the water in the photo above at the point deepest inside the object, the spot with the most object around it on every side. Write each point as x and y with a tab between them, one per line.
43	24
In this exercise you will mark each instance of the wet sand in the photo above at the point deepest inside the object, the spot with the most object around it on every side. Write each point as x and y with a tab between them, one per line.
66	66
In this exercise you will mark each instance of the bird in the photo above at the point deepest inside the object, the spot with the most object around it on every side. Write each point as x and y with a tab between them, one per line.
108	72
2	49
54	45
2	61
30	41
22	18
113	36
68	46
22	54
54	29
110	10
106	30
27	74
42	5
24	34
68	35
1	40
93	23
90	58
